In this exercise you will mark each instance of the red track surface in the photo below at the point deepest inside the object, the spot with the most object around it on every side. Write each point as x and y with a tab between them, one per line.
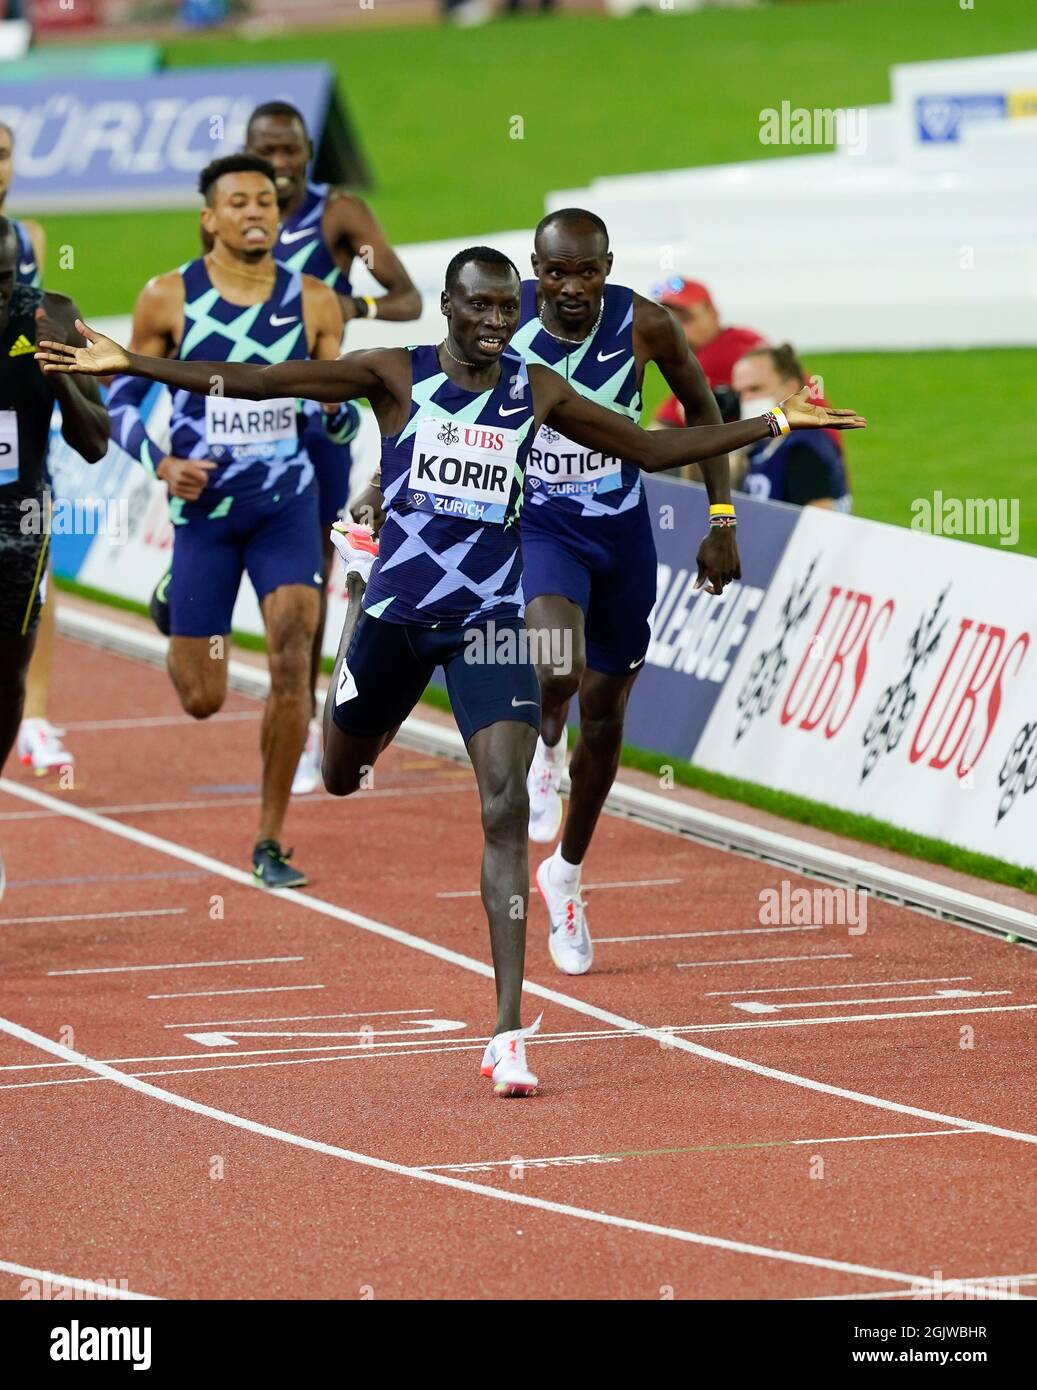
104	1182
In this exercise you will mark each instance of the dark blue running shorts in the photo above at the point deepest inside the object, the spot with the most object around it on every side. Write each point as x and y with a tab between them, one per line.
605	564
275	538
489	676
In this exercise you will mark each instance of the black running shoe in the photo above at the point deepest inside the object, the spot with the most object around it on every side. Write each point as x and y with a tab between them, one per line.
271	869
159	605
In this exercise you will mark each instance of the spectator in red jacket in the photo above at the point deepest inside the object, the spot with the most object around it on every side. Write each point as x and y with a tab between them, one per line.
717	348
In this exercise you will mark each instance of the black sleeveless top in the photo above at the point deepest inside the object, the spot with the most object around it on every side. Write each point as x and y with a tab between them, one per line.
26	401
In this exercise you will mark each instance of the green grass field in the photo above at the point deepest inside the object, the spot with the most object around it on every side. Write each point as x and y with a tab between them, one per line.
690	93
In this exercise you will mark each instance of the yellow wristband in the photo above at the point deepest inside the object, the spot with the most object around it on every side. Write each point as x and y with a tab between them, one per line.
372	306
721	509
781	420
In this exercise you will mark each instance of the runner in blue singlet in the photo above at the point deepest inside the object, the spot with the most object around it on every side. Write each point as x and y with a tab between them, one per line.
323	231
589	574
242	494
457	421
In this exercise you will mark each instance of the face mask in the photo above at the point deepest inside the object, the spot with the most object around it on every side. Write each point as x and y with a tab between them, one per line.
756	405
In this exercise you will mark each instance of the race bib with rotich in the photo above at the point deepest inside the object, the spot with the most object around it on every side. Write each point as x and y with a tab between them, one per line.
257	429
564	469
462	470
8	447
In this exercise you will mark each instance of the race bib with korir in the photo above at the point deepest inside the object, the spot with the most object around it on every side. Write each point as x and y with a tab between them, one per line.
251	429
462	470
8	447
564	469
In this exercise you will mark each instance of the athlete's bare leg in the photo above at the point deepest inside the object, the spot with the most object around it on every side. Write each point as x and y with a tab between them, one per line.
290	613
595	759
328	554
347	758
501	754
37	682
15	655
555	626
603	701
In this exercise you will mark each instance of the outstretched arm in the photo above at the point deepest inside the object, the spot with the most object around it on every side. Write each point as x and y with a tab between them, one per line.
665	345
587	423
355	374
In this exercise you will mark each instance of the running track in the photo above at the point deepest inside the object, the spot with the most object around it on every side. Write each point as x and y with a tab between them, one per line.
207	1091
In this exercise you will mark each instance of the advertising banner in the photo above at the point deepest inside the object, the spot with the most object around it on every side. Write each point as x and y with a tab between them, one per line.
696	637
100	143
893	674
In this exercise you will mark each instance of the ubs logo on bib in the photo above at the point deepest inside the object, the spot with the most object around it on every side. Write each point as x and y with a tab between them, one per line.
463	471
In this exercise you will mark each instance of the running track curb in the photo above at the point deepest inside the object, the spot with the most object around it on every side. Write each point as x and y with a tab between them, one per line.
647	808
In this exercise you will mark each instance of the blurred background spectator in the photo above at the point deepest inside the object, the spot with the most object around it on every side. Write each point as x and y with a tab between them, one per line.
805	468
717	348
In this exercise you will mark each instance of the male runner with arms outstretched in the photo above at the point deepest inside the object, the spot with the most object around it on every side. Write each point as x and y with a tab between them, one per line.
242	495
457	423
589	567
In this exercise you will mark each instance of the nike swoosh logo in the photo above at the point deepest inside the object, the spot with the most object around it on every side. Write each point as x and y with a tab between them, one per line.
289	237
514	410
634	664
517	704
607	356
27	268
275	322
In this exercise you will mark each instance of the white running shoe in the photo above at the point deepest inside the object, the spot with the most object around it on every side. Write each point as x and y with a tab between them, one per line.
40	746
545	804
357	546
505	1061
569	941
308	775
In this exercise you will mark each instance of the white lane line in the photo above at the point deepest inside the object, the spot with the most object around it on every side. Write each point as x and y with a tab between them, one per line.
296	1018
194	1107
483	968
588	887
366	1051
256	989
158	721
67	1281
753	1006
182	965
853	984
758	960
94	916
233	1052
218	802
684	935
616	1157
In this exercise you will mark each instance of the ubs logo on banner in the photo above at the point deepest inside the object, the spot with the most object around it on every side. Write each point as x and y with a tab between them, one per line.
959	718
942	713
